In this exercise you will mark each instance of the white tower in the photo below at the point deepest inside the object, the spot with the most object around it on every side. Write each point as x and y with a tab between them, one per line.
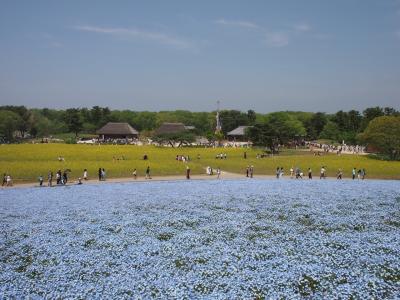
218	127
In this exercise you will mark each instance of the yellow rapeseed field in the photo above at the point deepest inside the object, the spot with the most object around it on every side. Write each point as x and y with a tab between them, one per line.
25	162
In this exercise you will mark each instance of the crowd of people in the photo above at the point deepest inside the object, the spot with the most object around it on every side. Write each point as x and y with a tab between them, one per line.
338	149
297	173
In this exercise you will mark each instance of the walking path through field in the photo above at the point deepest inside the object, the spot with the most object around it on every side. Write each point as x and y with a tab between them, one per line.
224	175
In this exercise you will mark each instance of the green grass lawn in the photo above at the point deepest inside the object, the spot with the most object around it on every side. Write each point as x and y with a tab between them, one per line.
25	162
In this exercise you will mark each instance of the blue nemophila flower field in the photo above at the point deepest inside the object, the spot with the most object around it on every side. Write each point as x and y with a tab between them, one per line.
202	239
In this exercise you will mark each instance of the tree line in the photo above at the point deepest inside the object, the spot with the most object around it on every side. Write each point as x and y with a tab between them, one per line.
267	129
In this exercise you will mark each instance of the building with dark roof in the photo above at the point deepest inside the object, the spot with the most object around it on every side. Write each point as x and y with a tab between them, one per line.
238	134
168	128
117	131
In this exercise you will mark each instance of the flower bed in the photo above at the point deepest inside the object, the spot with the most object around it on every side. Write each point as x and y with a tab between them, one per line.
194	239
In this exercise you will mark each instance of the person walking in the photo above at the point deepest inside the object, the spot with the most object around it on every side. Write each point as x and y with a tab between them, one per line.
277	172
218	172
85	174
148	173
247	171
291	172
50	179
309	173
103	174
9	180
281	172
58	177
339	174
322	174
40	180
363	174
4	179
134	173
100	174
251	171
298	173
187	172
353	173
64	178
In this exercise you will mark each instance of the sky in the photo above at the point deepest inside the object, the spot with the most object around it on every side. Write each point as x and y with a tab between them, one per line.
311	55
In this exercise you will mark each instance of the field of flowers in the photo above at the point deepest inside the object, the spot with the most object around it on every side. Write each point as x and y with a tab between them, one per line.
202	239
25	162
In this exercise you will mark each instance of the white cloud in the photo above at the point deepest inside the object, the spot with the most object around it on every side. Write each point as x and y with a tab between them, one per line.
134	33
302	27
276	39
243	24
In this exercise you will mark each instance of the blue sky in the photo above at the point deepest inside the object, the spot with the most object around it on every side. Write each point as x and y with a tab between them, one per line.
321	55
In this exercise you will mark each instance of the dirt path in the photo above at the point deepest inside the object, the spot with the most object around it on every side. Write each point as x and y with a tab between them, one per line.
224	175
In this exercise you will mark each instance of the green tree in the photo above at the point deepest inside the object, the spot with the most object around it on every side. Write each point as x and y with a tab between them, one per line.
383	134
73	121
251	116
331	131
278	128
9	122
316	125
232	119
369	114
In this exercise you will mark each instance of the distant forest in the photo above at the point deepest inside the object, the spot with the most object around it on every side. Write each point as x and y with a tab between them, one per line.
45	122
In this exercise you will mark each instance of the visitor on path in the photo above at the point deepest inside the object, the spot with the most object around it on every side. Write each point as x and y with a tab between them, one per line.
309	173
79	180
353	173
100	174
9	180
277	173
359	174
64	178
247	171
363	174
208	170
50	179
4	179
134	173
299	174
85	174
251	171
103	174
40	180
291	173
339	174
322	174
148	173
218	172
58	177
187	172
281	172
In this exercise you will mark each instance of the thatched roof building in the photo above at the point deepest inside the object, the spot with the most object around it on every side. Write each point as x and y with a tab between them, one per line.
238	133
167	128
117	131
